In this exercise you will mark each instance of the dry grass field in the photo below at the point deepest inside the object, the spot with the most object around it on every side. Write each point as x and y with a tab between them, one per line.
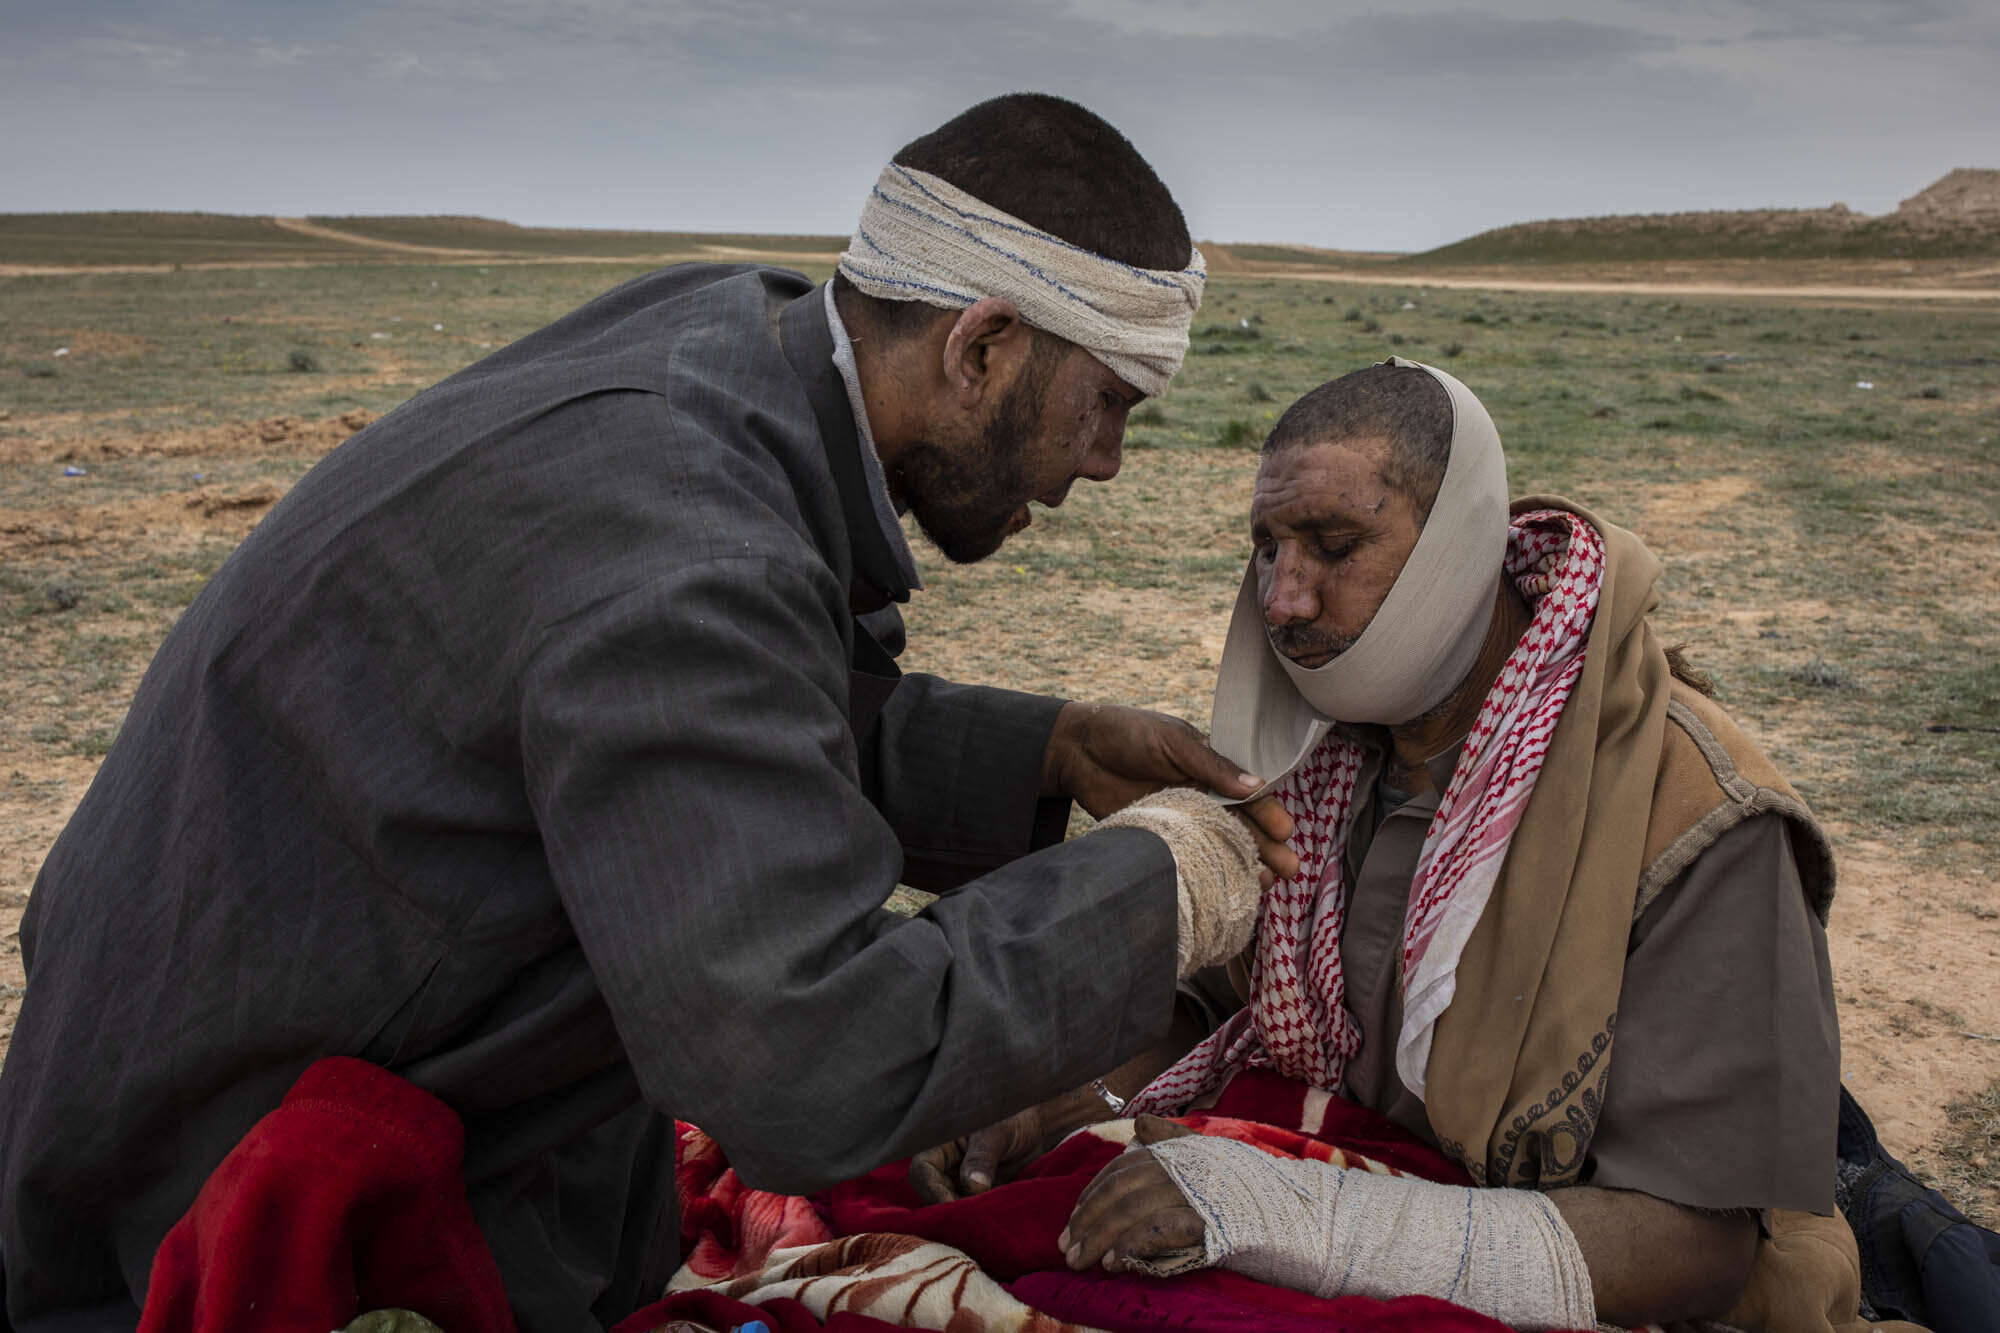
1820	475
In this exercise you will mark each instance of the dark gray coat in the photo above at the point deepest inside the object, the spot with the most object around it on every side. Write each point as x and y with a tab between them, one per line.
537	747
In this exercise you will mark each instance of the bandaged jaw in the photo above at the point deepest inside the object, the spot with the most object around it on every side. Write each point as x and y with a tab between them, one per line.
922	238
1341	1231
1270	712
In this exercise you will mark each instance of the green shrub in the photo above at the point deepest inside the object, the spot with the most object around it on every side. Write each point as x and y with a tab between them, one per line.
1237	433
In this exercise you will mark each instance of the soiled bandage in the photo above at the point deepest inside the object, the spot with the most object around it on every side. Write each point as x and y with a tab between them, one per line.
1337	1231
921	238
1216	871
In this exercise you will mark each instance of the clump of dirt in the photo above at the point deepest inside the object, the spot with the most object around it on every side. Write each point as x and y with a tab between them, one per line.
211	503
231	439
171	520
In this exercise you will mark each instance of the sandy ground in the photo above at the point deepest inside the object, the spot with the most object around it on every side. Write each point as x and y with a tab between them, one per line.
1916	952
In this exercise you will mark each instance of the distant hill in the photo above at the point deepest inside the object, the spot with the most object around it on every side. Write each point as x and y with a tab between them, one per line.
506	238
1956	217
89	239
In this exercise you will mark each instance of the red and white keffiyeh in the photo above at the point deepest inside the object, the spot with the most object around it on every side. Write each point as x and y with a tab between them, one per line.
1297	1020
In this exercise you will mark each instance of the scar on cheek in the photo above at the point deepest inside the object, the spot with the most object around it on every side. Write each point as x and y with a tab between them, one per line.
1380	500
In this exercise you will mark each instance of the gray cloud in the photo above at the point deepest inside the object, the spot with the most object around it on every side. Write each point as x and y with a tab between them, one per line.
159	59
266	53
401	65
1272	119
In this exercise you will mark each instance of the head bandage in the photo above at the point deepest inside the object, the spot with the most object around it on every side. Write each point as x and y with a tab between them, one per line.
921	238
1270	712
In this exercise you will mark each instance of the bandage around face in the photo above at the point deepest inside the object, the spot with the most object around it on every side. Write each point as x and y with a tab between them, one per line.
921	238
1270	712
1343	1231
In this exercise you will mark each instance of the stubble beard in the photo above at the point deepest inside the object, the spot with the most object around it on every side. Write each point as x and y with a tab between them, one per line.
964	499
1296	641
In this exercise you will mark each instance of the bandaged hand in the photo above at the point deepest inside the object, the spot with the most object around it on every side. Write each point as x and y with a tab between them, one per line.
1216	871
1329	1230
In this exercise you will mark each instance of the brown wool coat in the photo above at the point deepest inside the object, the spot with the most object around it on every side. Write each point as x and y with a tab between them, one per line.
1520	1086
1807	1274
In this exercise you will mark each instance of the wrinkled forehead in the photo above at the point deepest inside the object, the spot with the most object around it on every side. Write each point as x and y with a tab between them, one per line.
1306	481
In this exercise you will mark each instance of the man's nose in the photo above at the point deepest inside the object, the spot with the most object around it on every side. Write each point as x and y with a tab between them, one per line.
1106	453
1289	596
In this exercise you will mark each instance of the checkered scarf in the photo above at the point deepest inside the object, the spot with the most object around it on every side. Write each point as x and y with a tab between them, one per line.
1297	1020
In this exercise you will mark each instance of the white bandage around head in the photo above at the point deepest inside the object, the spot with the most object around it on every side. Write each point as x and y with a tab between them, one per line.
1339	1231
1215	871
1270	712
922	238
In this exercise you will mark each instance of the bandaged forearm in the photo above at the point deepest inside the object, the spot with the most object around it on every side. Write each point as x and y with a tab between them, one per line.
1215	866
1336	1231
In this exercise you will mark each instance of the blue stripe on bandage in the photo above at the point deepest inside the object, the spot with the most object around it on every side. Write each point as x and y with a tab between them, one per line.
1009	224
979	240
852	266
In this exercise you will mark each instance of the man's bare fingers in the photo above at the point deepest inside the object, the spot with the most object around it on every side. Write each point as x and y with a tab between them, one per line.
1157	1128
981	1167
932	1172
1279	859
1272	826
1089	1245
1114	1180
1267	814
1131	1187
1190	753
1162	1232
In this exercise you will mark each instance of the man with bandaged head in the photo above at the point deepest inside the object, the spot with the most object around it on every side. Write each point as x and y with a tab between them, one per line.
546	746
1556	915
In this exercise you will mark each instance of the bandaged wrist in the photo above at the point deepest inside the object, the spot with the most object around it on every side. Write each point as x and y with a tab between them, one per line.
1337	1231
1215	866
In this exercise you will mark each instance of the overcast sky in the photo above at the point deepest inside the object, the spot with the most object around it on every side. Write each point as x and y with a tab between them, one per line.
1394	126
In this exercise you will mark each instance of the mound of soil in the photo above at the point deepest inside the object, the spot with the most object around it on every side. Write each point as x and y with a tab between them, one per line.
1969	194
1958	216
230	439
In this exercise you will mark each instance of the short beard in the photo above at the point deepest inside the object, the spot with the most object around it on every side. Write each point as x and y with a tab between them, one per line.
1296	641
962	498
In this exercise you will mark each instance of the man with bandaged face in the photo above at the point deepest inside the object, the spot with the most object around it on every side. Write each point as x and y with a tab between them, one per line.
546	746
1555	915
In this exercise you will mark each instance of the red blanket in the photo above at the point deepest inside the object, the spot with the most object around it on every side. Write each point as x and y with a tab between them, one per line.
869	1256
347	1198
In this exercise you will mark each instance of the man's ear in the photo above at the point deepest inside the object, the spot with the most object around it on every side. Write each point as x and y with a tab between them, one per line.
987	336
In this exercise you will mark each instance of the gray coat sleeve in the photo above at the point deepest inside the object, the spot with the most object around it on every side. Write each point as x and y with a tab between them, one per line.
958	770
693	773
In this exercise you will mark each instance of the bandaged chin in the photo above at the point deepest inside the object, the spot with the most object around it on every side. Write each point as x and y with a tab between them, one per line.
1269	711
922	238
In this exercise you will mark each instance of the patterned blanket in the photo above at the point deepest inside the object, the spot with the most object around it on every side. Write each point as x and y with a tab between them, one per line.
867	1255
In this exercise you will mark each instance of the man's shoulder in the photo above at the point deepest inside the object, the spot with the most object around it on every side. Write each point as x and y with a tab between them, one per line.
674	364
653	330
1712	778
